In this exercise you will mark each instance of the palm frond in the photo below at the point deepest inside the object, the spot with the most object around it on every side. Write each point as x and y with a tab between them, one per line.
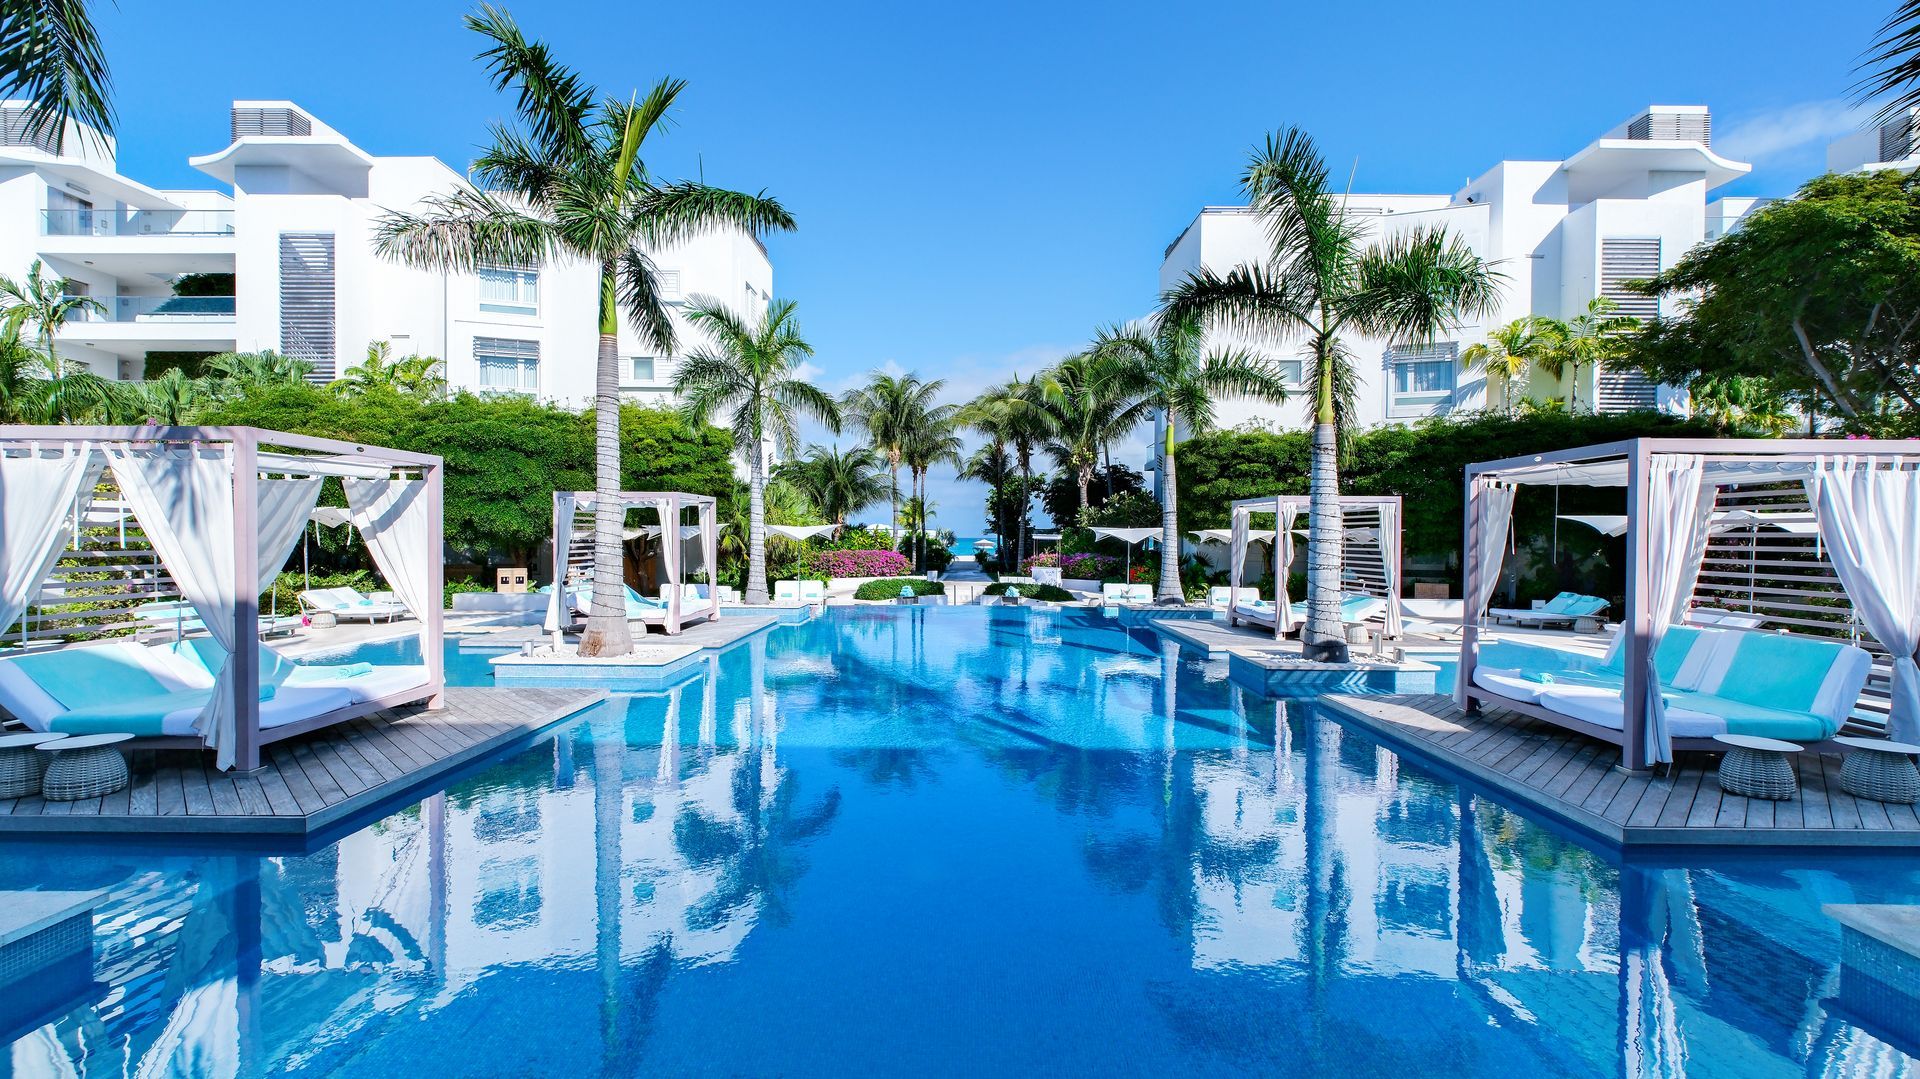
1415	286
50	54
639	296
1892	64
462	230
676	212
552	100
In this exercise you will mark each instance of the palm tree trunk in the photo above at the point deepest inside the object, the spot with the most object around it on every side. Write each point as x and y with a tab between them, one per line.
1084	474
1324	537
1169	590
757	527
607	632
1020	507
893	501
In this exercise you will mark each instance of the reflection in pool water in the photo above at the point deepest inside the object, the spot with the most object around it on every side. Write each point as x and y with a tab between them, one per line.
953	841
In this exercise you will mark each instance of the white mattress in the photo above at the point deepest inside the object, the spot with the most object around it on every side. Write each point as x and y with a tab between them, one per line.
1603	707
289	704
382	682
1509	683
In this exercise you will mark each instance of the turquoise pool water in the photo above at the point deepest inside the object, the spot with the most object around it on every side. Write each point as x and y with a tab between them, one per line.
953	841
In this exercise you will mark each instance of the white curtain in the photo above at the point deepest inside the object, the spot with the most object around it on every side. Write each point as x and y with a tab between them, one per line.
1237	558
1870	521
1490	508
284	506
558	601
1390	554
392	517
1283	519
37	496
183	499
1679	509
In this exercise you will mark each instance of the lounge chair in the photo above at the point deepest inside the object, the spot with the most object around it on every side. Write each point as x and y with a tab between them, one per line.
1563	609
1111	594
812	591
363	682
347	603
120	687
639	607
694	598
1355	607
179	618
1714	616
1220	597
787	592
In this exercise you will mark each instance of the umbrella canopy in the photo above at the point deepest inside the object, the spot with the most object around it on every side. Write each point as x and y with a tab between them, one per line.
1125	535
329	516
801	532
1225	536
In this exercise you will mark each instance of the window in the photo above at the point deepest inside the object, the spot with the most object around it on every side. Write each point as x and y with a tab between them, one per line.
507	366
1421	379
642	370
669	282
1291	372
509	290
1624	259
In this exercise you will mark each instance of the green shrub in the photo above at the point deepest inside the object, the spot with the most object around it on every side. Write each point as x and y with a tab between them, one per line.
889	588
1045	592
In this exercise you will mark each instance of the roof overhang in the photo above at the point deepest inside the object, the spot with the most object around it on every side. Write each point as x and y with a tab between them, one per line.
325	157
1609	161
98	187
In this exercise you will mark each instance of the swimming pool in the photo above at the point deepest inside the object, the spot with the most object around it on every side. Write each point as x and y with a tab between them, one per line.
955	841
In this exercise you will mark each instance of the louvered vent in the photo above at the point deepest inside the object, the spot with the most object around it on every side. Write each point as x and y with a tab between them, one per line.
1672	127
1624	260
1625	391
1896	139
17	129
271	121
307	300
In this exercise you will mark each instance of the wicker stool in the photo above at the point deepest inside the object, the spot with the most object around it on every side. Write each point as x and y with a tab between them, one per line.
1880	771
85	767
1757	767
20	767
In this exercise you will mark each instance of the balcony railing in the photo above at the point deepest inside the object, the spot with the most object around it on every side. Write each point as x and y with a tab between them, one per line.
136	222
160	309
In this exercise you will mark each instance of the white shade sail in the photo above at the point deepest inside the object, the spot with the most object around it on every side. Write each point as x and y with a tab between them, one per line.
1607	524
801	532
330	516
1125	535
1225	536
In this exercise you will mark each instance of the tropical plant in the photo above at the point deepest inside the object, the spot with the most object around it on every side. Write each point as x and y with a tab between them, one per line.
890	410
172	399
990	465
567	181
60	391
751	376
1087	415
1892	64
1598	338
1743	404
421	376
1166	368
50	55
931	442
1511	352
840	484
1011	415
244	372
1321	280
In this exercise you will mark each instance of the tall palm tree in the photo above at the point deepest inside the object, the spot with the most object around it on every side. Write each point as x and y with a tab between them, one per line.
1512	352
1321	281
1168	370
889	409
990	465
567	182
933	442
840	484
750	373
1088	413
50	55
1011	414
1593	339
39	303
417	376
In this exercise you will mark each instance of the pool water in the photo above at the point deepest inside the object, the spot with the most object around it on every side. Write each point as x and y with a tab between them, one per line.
954	841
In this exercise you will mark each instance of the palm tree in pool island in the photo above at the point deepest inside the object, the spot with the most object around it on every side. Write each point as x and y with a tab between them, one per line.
1322	281
749	378
1166	368
567	182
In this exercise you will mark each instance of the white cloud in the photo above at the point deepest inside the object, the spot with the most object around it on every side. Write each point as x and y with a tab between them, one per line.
1789	131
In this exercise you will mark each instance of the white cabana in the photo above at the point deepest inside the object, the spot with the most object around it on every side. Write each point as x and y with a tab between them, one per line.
1370	560
679	604
1854	507
1128	536
220	514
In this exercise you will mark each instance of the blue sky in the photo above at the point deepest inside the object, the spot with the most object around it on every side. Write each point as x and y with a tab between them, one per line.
979	186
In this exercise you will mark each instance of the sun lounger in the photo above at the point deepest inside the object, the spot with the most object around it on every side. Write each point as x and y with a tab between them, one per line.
813	591
1355	607
1221	597
179	618
1714	616
786	592
347	603
1563	609
362	682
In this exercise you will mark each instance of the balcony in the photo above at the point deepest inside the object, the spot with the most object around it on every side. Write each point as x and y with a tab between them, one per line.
154	223
159	309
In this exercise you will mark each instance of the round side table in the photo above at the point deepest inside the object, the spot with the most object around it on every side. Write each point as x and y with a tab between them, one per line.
84	767
20	767
1755	767
1879	770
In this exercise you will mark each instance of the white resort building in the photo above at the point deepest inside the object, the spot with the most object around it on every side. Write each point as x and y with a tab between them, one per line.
292	224
1562	232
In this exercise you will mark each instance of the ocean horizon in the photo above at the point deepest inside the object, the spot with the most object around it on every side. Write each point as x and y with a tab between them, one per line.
964	544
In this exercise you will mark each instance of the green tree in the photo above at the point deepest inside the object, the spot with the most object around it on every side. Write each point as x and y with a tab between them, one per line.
1819	294
1511	353
50	55
239	373
750	376
174	399
889	410
1168	370
1321	281
933	441
1080	394
61	391
1598	338
1012	415
840	484
421	376
567	182
993	466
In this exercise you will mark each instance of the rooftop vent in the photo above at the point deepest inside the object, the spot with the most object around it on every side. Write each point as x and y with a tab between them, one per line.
270	121
1655	126
18	129
1896	139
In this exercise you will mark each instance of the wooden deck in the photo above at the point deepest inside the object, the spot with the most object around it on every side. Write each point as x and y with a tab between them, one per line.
1572	779
306	784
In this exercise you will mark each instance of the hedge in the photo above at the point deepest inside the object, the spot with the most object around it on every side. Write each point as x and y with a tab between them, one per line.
890	587
1045	592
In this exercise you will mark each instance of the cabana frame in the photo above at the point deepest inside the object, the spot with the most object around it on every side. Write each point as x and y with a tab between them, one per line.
315	457
1628	463
671	506
1387	520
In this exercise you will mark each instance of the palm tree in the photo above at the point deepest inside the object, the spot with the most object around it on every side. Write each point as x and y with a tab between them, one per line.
1079	394
890	409
417	376
1512	351
1594	339
50	55
1319	281
65	391
234	373
751	374
933	442
989	465
1169	371
1011	415
172	399
568	183
1895	54
839	484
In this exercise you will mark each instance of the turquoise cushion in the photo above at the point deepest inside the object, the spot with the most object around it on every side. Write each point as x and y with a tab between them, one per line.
1745	718
1560	603
1585	605
130	715
208	655
1774	671
91	677
1668	660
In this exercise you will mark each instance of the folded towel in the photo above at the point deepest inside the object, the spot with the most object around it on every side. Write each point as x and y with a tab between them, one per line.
341	671
267	690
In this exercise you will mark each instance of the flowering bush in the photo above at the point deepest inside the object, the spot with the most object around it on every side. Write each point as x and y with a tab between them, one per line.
857	564
1084	566
1050	559
1145	575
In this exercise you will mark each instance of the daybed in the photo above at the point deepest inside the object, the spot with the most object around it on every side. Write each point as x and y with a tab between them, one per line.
348	603
1126	593
1562	610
